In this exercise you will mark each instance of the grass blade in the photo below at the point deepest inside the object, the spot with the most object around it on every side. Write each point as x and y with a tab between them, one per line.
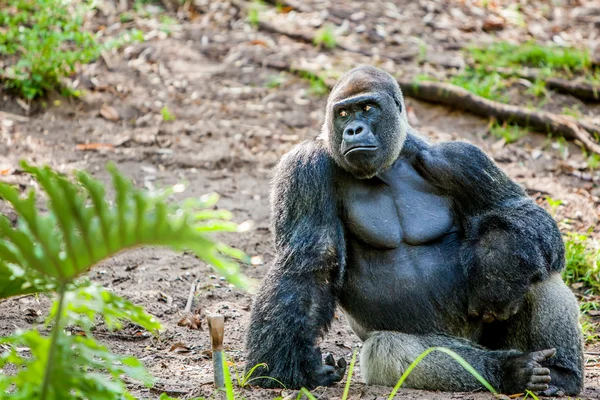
349	379
463	363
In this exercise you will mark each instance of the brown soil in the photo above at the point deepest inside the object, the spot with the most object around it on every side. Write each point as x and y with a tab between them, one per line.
230	129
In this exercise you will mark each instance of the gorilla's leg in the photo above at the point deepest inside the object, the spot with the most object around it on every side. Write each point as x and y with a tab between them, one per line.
387	354
549	319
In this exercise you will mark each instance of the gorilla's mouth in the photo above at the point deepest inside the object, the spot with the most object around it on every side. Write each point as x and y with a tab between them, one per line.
359	148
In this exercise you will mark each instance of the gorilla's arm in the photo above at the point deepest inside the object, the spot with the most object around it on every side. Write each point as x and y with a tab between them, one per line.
510	242
297	300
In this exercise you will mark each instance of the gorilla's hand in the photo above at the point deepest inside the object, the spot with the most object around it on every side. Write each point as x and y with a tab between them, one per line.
330	372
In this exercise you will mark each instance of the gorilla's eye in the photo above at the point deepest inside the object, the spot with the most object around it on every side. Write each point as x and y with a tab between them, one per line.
367	107
343	113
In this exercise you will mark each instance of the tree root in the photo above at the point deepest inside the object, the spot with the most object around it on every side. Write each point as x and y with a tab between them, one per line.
457	97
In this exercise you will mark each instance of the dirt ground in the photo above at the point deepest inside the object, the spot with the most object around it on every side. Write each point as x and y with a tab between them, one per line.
231	126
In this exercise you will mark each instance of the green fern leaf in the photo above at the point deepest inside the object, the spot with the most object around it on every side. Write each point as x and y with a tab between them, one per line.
82	229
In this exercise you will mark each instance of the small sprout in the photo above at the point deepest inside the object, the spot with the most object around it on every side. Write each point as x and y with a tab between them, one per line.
167	115
573	111
554	204
510	133
256	8
325	37
275	81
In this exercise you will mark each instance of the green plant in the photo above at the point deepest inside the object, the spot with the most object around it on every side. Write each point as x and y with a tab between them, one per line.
573	111
349	378
582	261
510	133
275	81
44	41
593	161
167	23
49	252
245	379
529	393
166	114
554	204
256	7
504	54
318	87
538	88
325	37
590	330
482	83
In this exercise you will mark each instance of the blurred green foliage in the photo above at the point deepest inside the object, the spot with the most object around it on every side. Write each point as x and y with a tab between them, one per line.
49	251
43	41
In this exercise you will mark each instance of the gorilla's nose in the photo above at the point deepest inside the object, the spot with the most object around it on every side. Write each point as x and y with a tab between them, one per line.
355	131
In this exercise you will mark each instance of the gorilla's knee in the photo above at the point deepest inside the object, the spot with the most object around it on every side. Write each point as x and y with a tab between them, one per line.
386	355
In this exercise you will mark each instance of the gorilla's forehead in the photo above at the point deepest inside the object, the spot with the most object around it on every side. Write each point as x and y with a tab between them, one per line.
360	82
360	97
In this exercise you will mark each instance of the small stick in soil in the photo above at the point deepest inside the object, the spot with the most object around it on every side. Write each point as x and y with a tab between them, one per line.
190	300
216	327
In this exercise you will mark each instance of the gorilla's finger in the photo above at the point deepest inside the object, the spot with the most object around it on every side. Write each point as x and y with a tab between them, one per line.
541	379
341	366
541	371
537	387
329	360
543	355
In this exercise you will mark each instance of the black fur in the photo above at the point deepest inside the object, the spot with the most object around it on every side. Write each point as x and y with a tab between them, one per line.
407	238
509	241
296	302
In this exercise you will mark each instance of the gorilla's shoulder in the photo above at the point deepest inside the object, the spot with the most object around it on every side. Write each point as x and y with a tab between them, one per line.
306	163
306	171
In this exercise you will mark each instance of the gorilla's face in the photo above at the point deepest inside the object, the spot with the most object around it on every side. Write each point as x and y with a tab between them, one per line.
365	122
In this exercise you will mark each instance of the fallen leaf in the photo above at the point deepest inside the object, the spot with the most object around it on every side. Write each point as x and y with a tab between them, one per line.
30	312
180	347
258	42
194	322
493	23
109	112
7	171
594	313
94	146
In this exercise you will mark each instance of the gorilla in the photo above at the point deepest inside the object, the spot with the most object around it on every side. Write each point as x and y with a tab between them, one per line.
420	245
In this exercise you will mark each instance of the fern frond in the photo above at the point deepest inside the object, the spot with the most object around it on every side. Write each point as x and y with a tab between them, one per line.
82	228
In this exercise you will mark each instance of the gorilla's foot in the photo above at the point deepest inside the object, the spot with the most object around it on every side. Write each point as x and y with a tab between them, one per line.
524	372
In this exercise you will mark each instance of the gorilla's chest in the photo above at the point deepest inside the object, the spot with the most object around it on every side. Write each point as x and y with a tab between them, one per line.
398	208
403	271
